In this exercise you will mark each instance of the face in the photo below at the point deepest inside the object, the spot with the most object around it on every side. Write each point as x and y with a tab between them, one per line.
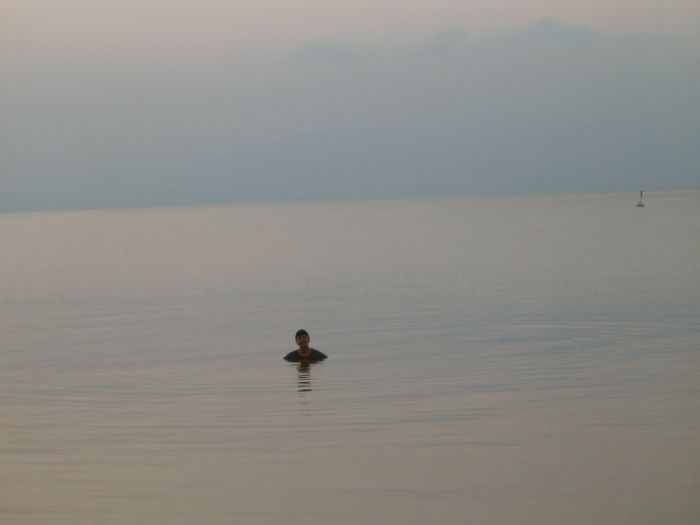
303	341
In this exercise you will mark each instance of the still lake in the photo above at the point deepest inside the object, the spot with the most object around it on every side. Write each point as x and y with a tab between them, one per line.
531	360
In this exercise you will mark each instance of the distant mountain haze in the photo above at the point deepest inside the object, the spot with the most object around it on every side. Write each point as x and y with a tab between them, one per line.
547	107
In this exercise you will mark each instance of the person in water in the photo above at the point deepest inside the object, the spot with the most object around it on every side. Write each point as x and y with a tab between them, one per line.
305	353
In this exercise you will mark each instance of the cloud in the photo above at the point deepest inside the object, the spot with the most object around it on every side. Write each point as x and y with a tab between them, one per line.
329	54
549	32
446	41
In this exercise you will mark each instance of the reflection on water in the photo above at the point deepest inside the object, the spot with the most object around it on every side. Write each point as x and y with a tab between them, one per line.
303	369
304	376
520	361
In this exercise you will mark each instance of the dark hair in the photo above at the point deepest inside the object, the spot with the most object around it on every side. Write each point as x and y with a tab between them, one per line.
300	333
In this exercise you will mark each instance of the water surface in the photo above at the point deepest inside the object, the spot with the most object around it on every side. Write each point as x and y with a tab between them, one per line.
524	360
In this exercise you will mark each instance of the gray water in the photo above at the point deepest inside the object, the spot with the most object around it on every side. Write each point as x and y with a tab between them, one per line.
531	360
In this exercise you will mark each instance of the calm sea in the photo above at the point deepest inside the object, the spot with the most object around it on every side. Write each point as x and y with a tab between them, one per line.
530	360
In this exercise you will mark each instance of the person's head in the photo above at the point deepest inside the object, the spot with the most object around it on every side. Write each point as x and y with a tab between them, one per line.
302	338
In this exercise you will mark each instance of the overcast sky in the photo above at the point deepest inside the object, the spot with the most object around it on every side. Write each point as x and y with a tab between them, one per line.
124	103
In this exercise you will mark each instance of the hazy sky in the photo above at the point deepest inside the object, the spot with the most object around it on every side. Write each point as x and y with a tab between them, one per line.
126	103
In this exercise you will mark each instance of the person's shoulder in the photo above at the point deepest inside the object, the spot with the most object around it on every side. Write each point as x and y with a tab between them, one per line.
293	356
317	354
